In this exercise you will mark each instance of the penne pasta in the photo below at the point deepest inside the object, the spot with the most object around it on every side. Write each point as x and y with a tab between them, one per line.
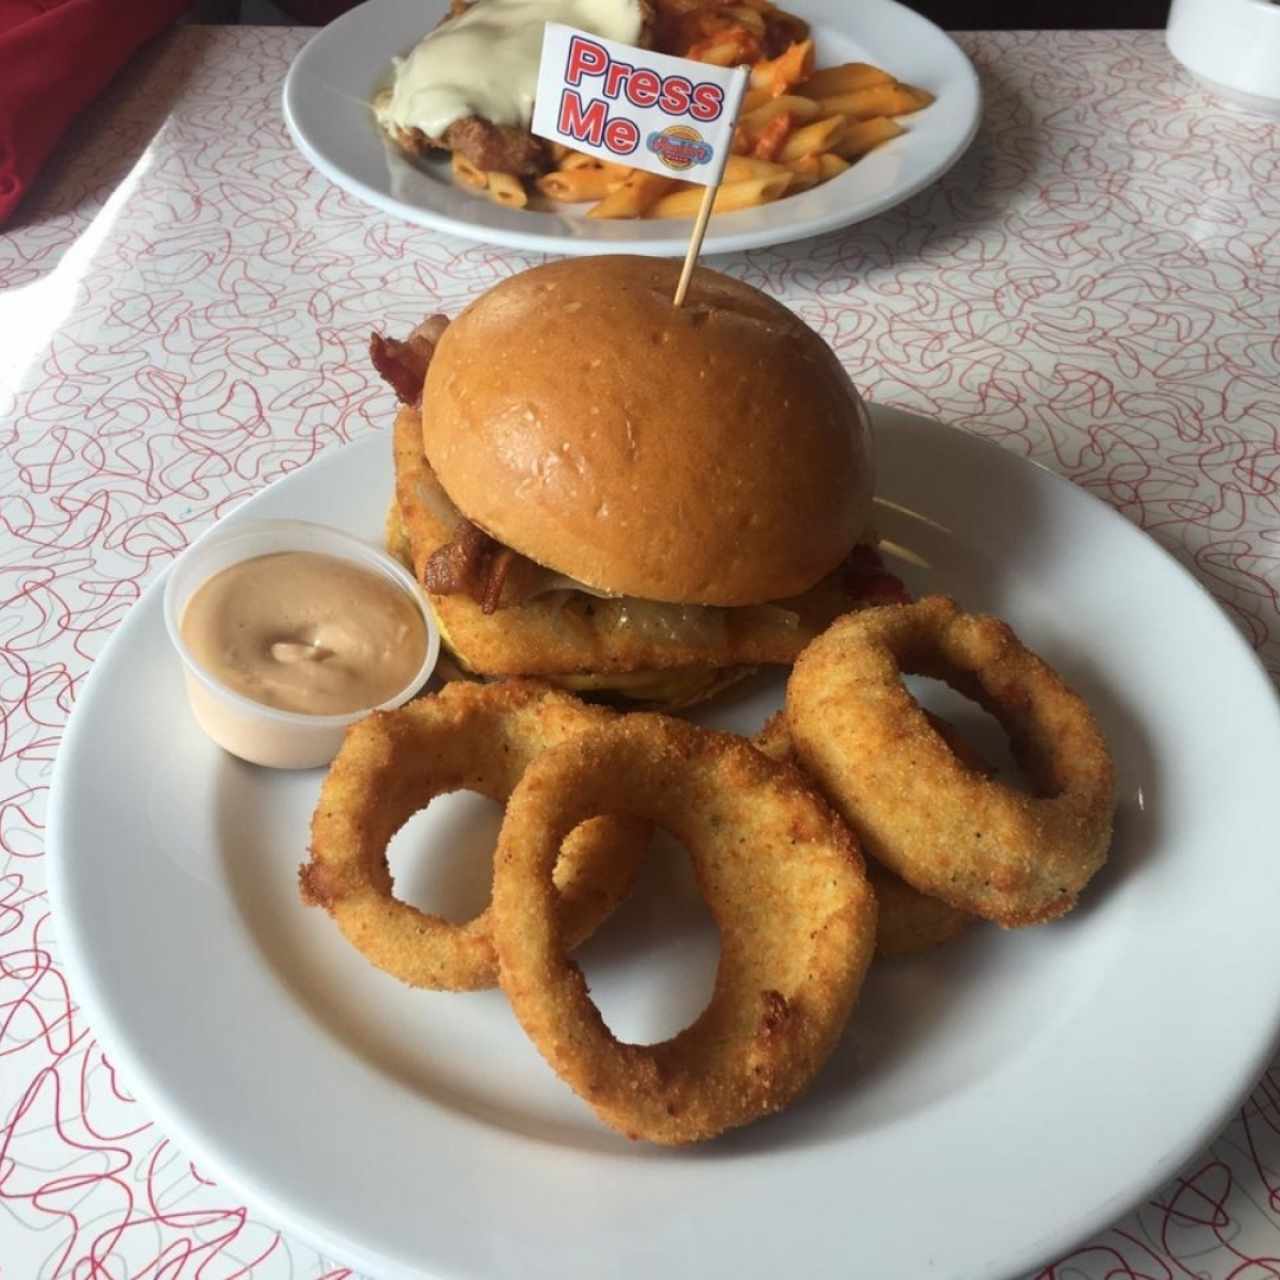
789	104
777	75
505	188
634	196
577	160
861	136
466	173
846	78
732	195
879	100
797	126
772	137
739	168
805	173
571	185
830	166
812	138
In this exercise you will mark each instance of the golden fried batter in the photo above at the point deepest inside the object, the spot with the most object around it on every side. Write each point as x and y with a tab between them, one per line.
943	827
910	922
785	884
469	737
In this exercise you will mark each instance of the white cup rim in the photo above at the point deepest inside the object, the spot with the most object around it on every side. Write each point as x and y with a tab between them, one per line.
361	552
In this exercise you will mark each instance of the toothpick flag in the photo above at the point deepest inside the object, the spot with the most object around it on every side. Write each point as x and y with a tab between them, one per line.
670	116
631	106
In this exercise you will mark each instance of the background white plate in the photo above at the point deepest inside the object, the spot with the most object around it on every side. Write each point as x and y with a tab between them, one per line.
992	1102
327	92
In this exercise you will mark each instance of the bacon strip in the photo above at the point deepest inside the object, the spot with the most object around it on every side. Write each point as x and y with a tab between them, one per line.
471	563
868	579
460	567
403	364
499	568
475	565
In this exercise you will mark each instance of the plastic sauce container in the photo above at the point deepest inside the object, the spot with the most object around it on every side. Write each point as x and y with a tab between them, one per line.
248	729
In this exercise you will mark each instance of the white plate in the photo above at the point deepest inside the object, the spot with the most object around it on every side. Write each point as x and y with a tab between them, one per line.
991	1103
329	85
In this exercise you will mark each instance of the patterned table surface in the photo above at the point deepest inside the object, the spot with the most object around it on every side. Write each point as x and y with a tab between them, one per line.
184	318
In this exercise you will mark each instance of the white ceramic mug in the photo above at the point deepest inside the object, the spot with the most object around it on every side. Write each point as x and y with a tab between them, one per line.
1233	46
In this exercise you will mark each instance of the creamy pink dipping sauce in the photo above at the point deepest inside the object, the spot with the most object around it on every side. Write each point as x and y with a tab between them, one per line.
305	632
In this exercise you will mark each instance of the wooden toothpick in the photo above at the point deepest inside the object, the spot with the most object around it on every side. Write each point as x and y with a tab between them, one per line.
695	242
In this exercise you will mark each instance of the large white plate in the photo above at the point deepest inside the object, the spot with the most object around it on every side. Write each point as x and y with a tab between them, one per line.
329	85
991	1103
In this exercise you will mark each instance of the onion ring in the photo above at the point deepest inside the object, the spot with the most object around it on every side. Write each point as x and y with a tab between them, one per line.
972	841
468	737
910	922
784	880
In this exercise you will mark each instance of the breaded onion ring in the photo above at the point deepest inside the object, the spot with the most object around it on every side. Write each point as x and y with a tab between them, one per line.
469	737
909	922
784	880
953	834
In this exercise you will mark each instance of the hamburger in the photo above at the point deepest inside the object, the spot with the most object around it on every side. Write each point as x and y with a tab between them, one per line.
619	496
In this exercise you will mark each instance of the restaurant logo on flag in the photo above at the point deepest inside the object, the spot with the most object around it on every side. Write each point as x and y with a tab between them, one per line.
636	107
680	146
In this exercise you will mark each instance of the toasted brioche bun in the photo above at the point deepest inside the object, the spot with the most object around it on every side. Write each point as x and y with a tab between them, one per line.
558	636
712	454
670	688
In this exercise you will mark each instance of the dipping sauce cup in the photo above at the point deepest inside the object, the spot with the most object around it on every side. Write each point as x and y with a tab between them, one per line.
251	730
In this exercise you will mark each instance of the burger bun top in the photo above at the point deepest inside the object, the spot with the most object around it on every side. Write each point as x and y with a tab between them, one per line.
714	453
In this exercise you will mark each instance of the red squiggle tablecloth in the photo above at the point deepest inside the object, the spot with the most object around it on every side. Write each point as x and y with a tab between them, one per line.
186	307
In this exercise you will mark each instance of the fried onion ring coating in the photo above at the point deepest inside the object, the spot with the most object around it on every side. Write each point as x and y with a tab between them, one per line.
953	834
783	879
910	922
469	737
